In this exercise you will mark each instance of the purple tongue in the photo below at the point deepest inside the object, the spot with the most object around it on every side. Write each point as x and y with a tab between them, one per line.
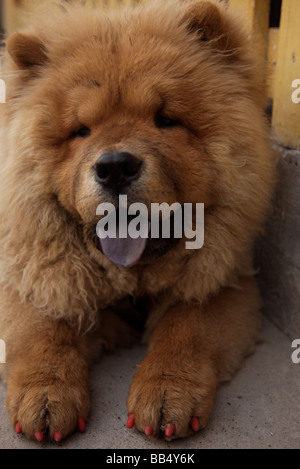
124	252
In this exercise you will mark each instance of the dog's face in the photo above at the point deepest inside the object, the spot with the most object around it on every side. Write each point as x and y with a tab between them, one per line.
130	107
129	129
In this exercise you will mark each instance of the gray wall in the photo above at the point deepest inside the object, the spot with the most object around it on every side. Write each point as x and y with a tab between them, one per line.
278	253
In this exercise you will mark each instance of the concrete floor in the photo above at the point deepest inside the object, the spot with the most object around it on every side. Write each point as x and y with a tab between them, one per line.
259	408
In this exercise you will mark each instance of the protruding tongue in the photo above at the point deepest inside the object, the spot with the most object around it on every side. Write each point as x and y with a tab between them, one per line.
124	252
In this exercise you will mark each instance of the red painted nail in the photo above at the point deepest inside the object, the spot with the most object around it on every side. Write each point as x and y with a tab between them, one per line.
58	437
81	424
18	428
195	424
130	421
148	430
39	436
170	429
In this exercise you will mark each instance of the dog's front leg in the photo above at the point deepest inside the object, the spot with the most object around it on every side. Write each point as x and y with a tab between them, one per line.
193	348
47	380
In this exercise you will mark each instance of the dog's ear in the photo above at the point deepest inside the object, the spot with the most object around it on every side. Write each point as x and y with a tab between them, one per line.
209	21
27	51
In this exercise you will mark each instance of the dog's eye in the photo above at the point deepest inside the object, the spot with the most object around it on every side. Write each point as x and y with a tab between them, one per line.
164	122
83	132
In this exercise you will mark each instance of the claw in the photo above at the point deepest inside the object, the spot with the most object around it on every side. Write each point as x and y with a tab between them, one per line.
170	429
195	424
39	436
18	428
81	424
58	437
148	430
130	421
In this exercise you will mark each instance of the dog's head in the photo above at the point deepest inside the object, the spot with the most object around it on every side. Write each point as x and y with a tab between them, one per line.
140	104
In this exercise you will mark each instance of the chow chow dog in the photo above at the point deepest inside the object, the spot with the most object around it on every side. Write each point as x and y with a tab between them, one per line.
161	103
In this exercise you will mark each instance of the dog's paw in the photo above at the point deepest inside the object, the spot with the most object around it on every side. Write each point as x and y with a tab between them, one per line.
170	405
45	403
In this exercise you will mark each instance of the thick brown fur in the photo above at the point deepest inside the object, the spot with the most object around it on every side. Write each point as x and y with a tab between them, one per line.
112	72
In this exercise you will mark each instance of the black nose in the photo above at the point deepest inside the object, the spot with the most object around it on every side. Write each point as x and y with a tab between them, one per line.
117	169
